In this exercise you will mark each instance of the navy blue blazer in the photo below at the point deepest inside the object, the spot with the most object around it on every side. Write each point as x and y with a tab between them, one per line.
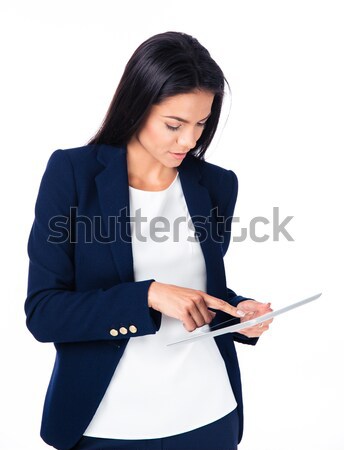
81	284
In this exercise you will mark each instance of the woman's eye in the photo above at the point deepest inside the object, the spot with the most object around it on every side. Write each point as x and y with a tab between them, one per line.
172	128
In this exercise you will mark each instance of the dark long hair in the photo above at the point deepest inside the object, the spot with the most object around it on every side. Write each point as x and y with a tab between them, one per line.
164	65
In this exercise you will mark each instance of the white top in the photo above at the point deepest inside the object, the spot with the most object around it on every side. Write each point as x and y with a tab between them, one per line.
158	391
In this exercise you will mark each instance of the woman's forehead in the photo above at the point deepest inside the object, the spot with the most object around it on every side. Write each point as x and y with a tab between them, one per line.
186	106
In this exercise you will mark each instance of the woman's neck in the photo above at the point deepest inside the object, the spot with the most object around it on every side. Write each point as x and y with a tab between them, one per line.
145	172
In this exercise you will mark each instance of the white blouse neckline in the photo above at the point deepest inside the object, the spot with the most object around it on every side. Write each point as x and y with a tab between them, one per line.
156	192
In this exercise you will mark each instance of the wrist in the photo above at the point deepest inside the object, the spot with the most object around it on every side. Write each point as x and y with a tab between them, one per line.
150	296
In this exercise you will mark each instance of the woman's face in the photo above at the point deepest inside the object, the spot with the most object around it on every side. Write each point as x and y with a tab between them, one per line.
173	127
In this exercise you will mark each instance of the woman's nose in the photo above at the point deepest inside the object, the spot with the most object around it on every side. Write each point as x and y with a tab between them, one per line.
187	140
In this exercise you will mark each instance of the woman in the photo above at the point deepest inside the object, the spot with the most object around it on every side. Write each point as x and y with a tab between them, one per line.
110	291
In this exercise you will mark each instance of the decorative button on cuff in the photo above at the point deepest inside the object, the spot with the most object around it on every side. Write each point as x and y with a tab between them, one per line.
123	330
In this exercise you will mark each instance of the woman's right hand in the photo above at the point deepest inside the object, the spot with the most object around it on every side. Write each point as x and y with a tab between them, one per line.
190	306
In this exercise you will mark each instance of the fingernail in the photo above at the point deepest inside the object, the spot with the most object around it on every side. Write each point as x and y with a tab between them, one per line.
240	313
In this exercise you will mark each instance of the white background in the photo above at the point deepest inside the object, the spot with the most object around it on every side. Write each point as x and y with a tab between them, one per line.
60	64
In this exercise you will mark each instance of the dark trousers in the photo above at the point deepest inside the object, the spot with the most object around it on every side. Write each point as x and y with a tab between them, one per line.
219	435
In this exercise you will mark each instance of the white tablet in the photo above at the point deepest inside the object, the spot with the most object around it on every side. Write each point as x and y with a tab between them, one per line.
248	323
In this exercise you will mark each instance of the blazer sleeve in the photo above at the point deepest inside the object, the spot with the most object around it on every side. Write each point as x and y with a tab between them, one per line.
228	211
55	311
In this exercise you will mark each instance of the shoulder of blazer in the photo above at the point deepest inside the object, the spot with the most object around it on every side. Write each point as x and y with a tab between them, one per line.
222	183
89	160
86	154
213	172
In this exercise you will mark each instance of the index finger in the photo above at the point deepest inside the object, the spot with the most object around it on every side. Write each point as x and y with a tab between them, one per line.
217	303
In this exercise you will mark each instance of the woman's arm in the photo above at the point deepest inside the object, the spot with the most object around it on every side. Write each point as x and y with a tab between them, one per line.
55	311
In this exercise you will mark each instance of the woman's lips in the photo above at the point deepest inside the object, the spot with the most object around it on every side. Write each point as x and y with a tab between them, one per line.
178	155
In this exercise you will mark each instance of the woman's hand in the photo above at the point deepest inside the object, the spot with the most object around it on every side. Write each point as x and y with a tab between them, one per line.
190	306
254	309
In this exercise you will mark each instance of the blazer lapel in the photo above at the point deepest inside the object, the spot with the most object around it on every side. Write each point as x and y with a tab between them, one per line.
113	194
200	205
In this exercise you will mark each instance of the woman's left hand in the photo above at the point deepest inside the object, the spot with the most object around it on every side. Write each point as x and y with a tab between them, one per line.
254	309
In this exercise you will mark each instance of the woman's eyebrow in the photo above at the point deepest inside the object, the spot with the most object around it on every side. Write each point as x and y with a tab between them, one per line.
183	120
